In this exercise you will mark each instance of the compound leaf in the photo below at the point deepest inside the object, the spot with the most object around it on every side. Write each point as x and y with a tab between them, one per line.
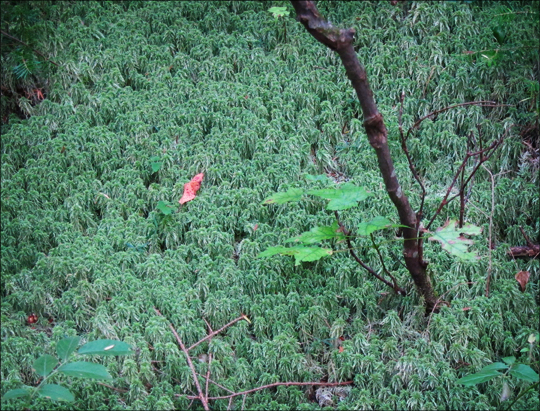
452	240
317	234
342	198
378	223
45	364
478	378
55	392
66	346
16	393
106	347
292	194
85	369
300	253
525	373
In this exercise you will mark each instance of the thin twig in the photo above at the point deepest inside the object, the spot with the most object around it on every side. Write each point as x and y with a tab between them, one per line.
370	270
201	396
276	384
113	388
208	375
488	278
27	45
529	242
242	317
480	103
411	164
216	384
381	259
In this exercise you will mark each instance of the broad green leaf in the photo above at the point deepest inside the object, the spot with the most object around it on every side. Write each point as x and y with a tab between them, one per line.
494	366
165	207
155	163
300	253
270	251
378	223
292	194
342	198
478	378
66	346
451	239
85	369
525	373
317	234
45	364
56	393
310	254
106	347
16	393
279	11
321	177
509	360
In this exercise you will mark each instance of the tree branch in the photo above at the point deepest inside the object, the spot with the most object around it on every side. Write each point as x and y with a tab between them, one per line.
201	395
341	41
30	47
276	384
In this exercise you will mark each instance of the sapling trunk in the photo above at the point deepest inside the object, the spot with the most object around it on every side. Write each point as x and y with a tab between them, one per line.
341	41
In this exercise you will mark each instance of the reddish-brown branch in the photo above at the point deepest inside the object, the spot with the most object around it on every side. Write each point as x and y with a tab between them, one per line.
276	384
524	251
201	395
341	40
433	113
242	317
370	270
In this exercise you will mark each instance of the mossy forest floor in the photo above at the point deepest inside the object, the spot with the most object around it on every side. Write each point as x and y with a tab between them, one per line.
256	104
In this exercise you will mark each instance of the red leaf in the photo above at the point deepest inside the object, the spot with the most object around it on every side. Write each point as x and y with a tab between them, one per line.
32	319
523	278
191	188
341	349
255	227
465	308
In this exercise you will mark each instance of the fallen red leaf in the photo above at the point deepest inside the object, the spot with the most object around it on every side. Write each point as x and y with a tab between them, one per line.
255	227
466	308
191	188
341	349
523	278
32	319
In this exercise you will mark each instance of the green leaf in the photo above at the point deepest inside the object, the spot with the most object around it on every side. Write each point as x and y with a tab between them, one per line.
45	364
300	253
321	177
509	360
342	198
155	163
317	234
106	347
270	251
494	366
17	393
66	346
279	11
525	373
165	207
478	378
452	241
85	369
310	254
292	194
55	393
378	223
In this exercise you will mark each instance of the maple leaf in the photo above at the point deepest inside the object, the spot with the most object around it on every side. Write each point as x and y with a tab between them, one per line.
191	188
451	239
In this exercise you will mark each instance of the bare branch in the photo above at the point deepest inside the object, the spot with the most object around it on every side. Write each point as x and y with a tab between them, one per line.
201	395
276	384
242	317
